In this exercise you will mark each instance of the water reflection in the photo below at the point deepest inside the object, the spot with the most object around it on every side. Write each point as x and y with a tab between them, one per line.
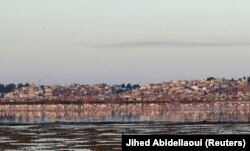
171	112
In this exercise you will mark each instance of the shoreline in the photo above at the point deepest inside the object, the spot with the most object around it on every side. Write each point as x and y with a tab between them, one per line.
46	102
132	122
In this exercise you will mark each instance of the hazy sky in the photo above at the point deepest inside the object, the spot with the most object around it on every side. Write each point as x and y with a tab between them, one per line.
120	41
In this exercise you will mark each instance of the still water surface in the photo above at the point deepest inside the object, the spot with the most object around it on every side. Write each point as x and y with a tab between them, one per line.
171	112
96	127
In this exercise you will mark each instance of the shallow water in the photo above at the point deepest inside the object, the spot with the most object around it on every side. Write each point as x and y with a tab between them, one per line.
96	127
170	112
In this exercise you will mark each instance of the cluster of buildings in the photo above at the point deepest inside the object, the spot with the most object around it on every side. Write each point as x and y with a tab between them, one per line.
193	90
65	93
220	89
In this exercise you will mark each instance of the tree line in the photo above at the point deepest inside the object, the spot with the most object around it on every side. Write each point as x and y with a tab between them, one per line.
130	86
10	87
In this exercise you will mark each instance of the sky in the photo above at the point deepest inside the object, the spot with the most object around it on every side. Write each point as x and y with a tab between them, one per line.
125	41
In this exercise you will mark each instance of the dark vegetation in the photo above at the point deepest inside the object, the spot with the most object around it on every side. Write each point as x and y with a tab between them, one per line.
10	87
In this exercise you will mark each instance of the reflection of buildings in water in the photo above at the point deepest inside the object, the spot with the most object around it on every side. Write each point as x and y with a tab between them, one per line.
188	112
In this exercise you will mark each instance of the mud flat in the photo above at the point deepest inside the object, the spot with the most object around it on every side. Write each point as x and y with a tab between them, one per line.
98	137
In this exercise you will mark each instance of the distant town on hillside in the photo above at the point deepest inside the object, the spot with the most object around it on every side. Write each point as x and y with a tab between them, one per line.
209	89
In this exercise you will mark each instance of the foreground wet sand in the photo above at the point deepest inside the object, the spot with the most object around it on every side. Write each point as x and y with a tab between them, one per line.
98	137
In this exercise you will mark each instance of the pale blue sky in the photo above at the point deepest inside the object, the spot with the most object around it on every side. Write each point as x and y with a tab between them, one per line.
120	41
